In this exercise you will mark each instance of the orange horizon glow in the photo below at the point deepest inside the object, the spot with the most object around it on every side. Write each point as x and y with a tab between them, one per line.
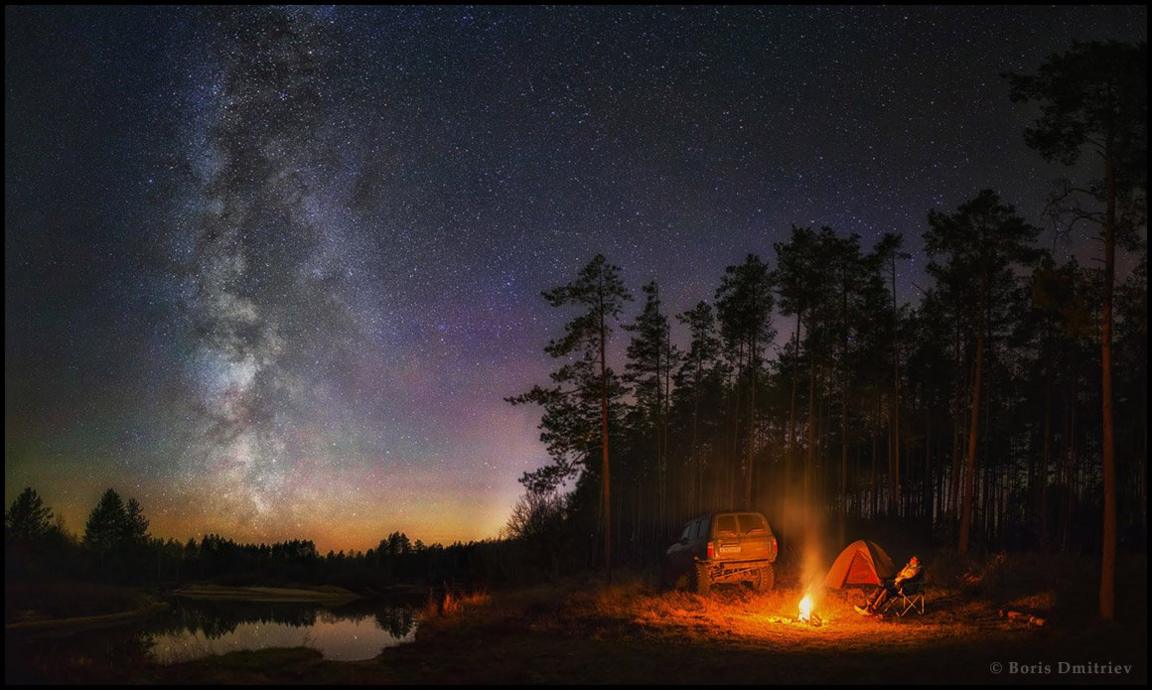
351	519
355	536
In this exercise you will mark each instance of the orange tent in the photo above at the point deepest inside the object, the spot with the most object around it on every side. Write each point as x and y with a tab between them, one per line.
860	564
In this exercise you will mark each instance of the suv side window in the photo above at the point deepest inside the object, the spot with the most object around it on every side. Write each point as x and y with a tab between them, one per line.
688	531
702	528
726	526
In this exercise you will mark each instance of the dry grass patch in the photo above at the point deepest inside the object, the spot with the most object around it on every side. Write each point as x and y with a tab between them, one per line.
636	610
448	603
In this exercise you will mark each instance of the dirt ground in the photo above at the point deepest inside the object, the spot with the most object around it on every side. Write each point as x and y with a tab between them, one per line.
583	632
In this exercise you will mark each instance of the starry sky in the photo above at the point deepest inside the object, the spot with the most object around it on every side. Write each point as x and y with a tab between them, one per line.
272	271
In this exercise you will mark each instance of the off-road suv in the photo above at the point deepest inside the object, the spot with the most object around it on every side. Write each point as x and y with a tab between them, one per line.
734	546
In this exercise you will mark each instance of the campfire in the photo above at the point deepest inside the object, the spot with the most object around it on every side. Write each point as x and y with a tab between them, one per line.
806	608
805	615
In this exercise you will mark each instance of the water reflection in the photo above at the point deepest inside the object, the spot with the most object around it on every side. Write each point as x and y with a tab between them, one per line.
193	629
348	633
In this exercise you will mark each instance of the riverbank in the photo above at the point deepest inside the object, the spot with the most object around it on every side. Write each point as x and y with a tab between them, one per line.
580	631
75	606
56	605
78	623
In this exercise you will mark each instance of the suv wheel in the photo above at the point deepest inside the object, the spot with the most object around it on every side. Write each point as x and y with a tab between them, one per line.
702	582
765	579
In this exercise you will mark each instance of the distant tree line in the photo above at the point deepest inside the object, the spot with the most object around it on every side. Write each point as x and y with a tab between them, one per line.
116	547
985	410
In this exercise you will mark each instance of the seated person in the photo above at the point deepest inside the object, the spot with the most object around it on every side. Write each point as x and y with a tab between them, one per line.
890	588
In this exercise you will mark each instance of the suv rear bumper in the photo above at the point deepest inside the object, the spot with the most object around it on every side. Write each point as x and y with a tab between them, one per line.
757	561
734	570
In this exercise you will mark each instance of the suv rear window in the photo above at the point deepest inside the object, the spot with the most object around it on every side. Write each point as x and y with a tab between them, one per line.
726	525
751	523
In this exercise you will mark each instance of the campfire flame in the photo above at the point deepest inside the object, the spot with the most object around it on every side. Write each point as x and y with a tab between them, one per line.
806	608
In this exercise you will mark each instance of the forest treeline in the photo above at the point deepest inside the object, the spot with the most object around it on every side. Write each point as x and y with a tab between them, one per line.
1003	403
116	547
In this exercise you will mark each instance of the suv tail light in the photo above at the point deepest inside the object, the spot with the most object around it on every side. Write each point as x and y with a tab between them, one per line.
773	548
711	550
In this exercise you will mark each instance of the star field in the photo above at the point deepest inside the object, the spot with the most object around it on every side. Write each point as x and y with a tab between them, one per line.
273	270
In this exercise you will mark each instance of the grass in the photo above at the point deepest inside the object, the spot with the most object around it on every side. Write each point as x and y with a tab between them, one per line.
448	603
634	610
630	632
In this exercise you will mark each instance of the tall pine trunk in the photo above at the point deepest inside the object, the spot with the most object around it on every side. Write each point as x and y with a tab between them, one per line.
974	426
843	498
697	465
894	459
606	468
810	451
1108	560
1069	462
957	432
1046	462
751	429
874	493
790	458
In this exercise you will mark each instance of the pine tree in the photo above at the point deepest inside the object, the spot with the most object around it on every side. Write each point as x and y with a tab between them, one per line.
651	359
583	386
28	519
1095	97
744	304
977	247
135	524
888	250
108	524
698	381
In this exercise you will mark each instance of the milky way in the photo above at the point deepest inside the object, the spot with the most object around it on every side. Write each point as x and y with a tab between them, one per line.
273	270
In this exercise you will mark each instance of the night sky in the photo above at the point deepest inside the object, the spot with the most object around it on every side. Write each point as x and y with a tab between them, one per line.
273	271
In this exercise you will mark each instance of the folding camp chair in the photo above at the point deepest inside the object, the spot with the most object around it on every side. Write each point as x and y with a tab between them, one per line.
909	597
